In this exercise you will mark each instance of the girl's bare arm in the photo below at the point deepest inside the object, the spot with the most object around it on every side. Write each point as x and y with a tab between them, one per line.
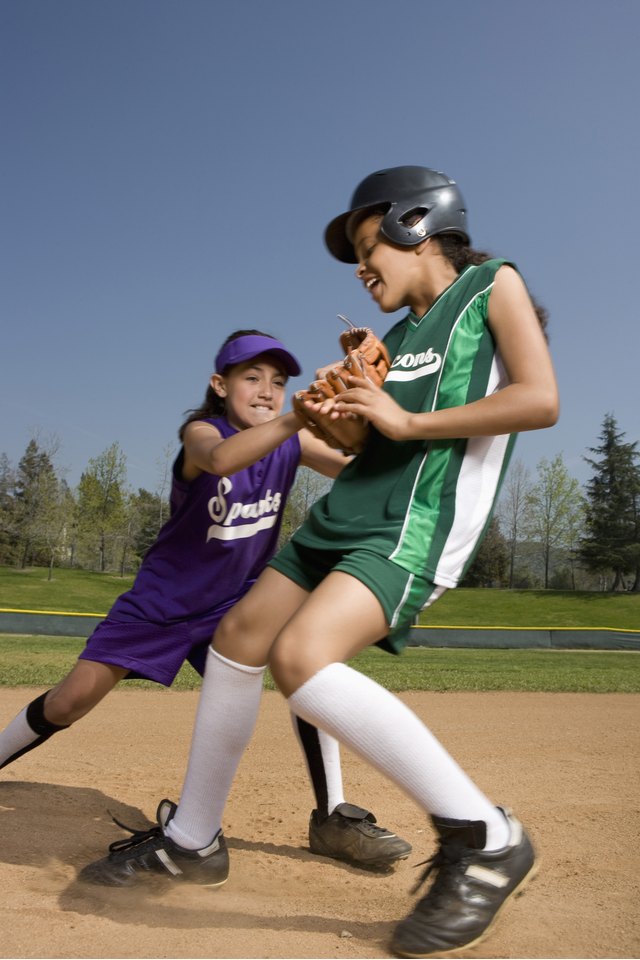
207	451
528	402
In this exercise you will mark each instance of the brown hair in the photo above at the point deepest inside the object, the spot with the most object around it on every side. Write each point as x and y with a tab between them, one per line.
213	405
455	249
460	255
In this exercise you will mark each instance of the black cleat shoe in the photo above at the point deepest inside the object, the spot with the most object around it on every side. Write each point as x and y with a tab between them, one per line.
470	888
350	833
149	851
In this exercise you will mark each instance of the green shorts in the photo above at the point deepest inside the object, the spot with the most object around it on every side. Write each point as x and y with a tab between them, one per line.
401	594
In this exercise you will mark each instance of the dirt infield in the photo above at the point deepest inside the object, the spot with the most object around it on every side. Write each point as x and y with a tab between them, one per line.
566	763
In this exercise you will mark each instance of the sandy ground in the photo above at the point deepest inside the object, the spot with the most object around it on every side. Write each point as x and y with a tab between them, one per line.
566	764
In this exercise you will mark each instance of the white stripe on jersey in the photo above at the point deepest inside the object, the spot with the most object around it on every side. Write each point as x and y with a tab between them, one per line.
407	591
475	492
491	387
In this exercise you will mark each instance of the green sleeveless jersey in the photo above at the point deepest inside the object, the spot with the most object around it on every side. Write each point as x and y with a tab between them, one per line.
425	504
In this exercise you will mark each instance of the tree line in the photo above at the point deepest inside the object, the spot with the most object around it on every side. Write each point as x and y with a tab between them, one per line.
548	532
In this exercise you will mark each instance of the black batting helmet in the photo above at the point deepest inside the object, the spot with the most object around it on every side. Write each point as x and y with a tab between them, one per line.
420	202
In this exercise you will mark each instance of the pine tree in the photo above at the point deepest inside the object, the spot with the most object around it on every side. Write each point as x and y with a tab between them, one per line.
7	510
36	487
611	544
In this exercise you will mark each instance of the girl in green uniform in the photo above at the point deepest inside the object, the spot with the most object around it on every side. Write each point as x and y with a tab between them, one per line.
470	368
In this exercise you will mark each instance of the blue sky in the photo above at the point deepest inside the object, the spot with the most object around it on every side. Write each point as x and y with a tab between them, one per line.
169	166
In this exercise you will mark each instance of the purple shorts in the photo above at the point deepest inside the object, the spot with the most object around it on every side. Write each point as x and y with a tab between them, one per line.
153	651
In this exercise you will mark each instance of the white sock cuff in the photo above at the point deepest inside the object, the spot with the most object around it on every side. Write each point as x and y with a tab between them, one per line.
234	664
329	684
330	670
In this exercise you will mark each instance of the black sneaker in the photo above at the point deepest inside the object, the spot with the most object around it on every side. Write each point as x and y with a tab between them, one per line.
149	851
470	888
350	833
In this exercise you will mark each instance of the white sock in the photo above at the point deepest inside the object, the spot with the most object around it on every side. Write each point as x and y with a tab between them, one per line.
226	715
27	731
329	760
381	729
16	737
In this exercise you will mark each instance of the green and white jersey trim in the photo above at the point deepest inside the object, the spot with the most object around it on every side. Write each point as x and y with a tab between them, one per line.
425	504
456	483
395	619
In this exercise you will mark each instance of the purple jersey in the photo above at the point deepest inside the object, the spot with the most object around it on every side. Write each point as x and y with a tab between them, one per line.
221	534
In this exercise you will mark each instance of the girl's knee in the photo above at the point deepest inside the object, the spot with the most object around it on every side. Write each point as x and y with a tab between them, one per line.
63	709
286	674
80	691
292	664
229	626
241	639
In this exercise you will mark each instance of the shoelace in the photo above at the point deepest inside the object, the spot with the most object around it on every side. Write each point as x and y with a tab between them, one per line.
137	836
447	856
371	828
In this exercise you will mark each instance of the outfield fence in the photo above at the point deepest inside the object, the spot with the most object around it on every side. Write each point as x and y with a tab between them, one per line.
50	623
550	638
54	623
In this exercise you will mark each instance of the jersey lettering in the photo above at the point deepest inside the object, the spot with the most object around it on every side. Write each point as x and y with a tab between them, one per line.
264	512
414	365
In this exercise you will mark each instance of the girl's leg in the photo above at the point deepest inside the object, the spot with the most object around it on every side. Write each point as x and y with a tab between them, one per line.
337	829
484	855
322	757
225	719
228	705
307	664
226	716
83	687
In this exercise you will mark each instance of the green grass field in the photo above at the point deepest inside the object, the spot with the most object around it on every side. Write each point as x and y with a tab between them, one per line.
42	661
535	608
71	591
81	591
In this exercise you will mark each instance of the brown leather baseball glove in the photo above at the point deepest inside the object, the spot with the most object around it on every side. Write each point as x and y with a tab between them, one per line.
365	356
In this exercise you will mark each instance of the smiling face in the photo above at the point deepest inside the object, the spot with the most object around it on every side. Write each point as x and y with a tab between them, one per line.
394	276
253	392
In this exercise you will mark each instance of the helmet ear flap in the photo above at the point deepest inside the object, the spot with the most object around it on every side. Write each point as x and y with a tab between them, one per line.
406	227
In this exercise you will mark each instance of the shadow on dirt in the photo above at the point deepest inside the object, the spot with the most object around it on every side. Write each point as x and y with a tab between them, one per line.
58	829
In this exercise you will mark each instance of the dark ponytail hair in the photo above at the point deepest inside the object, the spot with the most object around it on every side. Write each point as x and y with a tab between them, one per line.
456	250
213	405
460	255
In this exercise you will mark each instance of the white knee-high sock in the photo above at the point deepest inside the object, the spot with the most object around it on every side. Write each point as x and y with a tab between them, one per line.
322	757
226	715
379	727
16	737
26	731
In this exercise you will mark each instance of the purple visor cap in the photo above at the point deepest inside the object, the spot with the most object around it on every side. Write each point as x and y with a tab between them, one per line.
252	345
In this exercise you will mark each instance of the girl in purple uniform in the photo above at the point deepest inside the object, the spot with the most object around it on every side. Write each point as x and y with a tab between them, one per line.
231	479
